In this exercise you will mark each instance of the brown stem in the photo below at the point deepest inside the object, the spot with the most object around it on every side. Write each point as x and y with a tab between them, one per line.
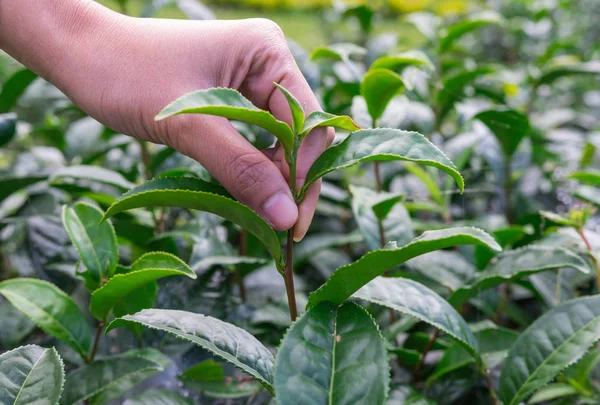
508	207
488	379
289	275
591	254
502	304
92	354
426	350
240	277
146	158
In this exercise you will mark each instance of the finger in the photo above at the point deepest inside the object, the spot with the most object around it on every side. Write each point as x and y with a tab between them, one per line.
306	211
249	175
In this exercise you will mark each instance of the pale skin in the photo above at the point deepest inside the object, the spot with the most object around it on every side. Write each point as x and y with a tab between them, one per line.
123	70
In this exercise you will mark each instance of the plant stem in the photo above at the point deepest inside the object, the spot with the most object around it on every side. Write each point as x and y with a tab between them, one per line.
92	355
508	208
502	304
146	158
426	350
240	277
591	254
289	275
488	379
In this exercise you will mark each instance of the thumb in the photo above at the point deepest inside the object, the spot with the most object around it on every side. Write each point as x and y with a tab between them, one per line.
243	170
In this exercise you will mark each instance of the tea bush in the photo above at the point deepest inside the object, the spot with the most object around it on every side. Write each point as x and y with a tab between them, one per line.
454	257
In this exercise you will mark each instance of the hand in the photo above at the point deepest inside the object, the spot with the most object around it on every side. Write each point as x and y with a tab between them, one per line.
123	71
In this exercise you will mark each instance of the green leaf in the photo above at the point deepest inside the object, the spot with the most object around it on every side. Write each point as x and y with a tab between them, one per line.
412	298
588	194
208	377
494	342
428	180
14	326
332	356
378	87
243	264
559	219
340	52
380	145
446	268
551	392
348	279
223	339
591	177
296	109
51	309
453	88
232	105
8	127
196	194
557	339
14	87
94	174
318	119
397	225
147	269
516	264
10	184
403	60
553	73
155	396
385	204
475	21
96	242
509	127
31	375
104	375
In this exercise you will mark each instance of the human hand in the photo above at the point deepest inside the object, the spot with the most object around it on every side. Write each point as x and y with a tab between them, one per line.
123	71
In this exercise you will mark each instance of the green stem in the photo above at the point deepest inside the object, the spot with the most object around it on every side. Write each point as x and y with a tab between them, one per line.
508	207
488	379
591	254
502	304
240	277
289	249
97	338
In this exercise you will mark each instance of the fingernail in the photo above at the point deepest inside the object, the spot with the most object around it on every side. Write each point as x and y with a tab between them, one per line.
281	211
302	227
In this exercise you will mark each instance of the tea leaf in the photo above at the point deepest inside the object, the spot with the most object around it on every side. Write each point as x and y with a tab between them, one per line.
208	377
8	127
553	73
587	176
380	145
14	87
96	242
412	298
509	127
340	52
10	184
403	60
155	396
378	87
296	109
348	279
517	264
196	194
453	88
31	375
95	174
318	119
51	309
557	339
468	25
223	339
332	355
147	269
232	105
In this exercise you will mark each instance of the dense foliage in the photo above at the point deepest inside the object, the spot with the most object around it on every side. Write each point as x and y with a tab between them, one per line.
454	257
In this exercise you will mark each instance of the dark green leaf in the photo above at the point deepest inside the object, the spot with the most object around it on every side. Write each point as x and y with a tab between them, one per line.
509	127
158	397
147	269
242	264
193	193
208	377
380	145
96	242
468	25
31	375
557	339
384	206
332	356
453	88
14	87
8	126
348	279
10	184
230	104
51	309
447	268
14	326
378	87
225	340
553	73
412	298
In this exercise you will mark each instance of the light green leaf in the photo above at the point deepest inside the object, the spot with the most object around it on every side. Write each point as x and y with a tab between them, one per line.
51	309
553	73
591	177
348	279
147	269
378	87
196	194
31	375
318	119
557	339
95	174
397	225
208	377
232	105
400	61
470	24
96	242
559	219
551	392
296	109
428	180
332	356
412	298
8	127
155	396
516	264
340	52
14	87
104	375
223	339
509	127
381	145
588	194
